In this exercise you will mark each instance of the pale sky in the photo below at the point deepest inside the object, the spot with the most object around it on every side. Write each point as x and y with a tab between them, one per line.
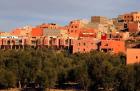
18	13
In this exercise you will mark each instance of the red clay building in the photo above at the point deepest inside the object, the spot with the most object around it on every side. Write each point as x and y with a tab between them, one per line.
37	32
74	28
132	17
87	32
84	45
113	46
133	56
25	31
133	26
12	43
16	31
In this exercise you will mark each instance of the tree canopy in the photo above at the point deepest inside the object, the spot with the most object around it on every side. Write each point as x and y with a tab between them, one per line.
47	68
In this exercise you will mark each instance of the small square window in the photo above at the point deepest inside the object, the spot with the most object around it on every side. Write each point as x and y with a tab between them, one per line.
84	44
106	44
84	50
79	44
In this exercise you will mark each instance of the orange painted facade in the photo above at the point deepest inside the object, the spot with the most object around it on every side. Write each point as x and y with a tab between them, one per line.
25	31
133	56
75	27
77	36
132	17
76	30
16	32
37	32
84	45
113	46
12	43
81	40
87	32
134	27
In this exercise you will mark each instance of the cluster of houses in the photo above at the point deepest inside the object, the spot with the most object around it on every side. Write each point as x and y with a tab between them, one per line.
100	33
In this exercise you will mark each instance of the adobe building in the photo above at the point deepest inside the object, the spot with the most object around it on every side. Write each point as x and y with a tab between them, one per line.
38	42
37	31
113	46
11	42
118	35
84	45
98	27
134	27
87	32
101	24
131	17
78	34
25	31
56	33
133	55
74	28
99	19
119	23
130	21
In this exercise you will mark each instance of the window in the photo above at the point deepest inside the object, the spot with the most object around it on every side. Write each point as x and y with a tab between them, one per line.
66	41
84	44
136	57
33	42
106	44
84	50
79	44
20	41
8	42
33	37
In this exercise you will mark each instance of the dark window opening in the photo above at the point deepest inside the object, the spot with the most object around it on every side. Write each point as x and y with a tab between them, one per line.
84	44
136	57
84	50
79	44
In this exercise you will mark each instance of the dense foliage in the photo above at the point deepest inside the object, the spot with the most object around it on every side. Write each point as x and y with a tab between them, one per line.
48	68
